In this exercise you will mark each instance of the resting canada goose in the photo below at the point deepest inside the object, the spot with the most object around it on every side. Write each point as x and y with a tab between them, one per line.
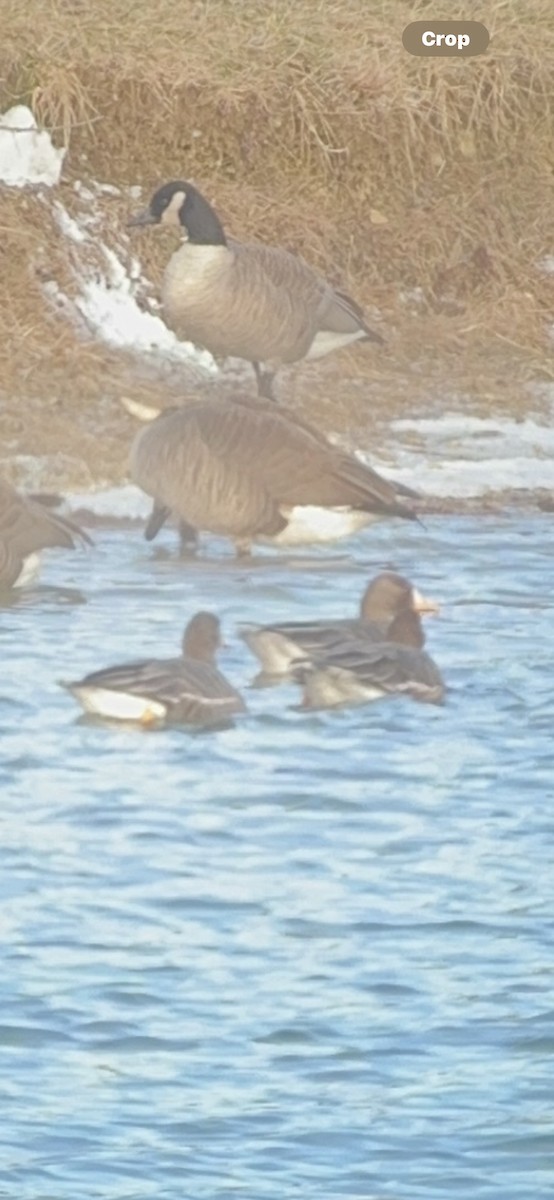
246	299
384	602
26	528
248	470
358	671
185	690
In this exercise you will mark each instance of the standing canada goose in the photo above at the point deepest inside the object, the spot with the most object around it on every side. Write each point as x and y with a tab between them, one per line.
246	299
185	690
357	671
248	470
26	528
384	602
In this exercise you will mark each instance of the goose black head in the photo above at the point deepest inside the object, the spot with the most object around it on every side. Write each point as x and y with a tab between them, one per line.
181	204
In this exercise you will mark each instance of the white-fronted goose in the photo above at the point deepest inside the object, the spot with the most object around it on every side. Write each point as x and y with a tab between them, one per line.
246	299
152	691
249	470
358	671
278	647
26	528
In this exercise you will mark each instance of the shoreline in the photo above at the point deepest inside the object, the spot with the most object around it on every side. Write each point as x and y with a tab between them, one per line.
415	422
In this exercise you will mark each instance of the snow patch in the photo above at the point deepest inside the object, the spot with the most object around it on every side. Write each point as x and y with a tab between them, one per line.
122	502
68	226
546	265
107	293
27	155
457	456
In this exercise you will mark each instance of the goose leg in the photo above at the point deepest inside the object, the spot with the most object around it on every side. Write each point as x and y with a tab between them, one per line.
265	382
188	539
157	518
188	536
243	548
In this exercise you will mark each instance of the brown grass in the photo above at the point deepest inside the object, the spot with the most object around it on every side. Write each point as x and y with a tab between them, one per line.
309	125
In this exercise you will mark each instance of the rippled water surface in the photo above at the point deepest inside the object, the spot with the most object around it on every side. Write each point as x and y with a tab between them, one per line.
308	956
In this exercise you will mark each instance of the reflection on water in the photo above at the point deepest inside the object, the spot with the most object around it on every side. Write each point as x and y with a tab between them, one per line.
308	956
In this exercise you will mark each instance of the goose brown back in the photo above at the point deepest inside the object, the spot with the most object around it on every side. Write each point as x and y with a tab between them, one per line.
240	469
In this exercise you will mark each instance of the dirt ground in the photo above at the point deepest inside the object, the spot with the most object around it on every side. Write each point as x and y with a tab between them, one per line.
71	438
423	187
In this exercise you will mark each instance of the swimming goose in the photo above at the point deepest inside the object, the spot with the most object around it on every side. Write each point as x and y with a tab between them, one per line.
185	690
249	470
246	299
26	528
358	671
384	601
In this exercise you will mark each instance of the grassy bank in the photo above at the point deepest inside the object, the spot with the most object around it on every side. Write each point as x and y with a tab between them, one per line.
310	125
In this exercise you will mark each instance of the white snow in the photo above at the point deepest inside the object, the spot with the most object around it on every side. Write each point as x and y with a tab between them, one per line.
108	304
67	225
546	264
107	293
27	155
123	502
454	455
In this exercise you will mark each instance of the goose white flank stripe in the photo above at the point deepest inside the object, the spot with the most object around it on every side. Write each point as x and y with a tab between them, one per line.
185	690
357	672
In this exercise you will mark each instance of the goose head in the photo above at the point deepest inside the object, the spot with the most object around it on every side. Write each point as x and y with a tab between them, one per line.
389	595
181	205
202	637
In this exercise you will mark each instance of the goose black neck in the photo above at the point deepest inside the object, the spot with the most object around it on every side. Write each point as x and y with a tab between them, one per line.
203	224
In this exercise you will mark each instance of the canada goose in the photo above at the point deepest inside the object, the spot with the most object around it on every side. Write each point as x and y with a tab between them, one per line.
185	690
358	671
26	528
246	299
384	601
248	470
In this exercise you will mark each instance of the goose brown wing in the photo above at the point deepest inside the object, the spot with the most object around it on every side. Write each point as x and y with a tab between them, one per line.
340	479
203	695
294	418
259	404
318	638
274	302
387	666
290	278
26	526
190	690
292	463
325	307
339	313
147	677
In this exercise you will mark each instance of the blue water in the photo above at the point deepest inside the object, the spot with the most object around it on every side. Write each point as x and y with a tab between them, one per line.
310	956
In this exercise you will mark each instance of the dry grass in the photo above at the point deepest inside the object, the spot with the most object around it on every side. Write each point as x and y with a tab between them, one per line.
309	125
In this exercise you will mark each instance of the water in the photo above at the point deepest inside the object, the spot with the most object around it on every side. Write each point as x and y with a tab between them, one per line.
308	956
